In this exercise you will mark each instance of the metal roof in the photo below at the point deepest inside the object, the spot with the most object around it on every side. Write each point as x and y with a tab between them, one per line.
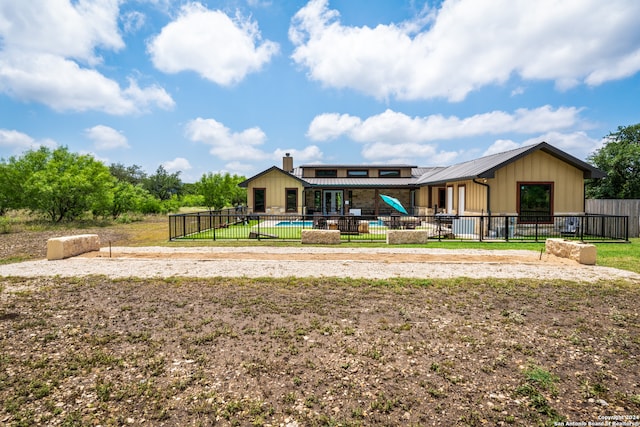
485	167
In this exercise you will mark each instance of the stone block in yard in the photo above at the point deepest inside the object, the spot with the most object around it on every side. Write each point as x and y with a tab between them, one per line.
68	246
584	253
321	237
405	237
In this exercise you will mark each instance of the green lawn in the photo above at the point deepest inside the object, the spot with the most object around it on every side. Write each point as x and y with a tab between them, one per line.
619	255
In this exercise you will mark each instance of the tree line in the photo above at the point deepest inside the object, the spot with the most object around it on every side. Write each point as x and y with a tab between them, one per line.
63	186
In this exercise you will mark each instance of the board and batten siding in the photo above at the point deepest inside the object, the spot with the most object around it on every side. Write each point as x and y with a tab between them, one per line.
624	207
568	183
275	183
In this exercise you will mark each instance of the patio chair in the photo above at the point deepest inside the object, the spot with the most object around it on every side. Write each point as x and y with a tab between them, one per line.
348	225
319	221
570	227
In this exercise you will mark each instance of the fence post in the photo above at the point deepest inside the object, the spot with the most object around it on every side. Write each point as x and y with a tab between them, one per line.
506	228
481	227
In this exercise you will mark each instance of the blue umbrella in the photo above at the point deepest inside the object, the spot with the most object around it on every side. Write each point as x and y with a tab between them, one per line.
394	203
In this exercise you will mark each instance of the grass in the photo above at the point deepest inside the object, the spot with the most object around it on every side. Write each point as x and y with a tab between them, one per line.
153	231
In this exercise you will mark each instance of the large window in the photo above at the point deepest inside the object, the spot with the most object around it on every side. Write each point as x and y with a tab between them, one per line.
389	173
292	199
259	199
326	173
357	173
535	202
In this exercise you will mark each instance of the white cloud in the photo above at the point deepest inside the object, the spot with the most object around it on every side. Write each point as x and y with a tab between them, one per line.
106	138
332	125
395	127
60	27
500	146
19	141
48	52
408	153
224	143
577	143
470	44
177	164
239	167
219	48
310	154
132	21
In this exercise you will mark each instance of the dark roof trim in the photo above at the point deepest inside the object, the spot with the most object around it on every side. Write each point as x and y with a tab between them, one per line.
245	183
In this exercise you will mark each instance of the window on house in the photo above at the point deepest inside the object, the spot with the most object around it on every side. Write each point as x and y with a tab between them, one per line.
535	202
259	199
357	173
292	199
326	173
389	173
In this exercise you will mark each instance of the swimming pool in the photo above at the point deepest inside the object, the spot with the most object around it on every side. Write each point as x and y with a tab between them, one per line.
309	224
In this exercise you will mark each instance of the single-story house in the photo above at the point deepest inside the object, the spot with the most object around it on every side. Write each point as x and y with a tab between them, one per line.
533	181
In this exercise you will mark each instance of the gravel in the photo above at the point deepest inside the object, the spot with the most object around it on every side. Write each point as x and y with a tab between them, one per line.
370	263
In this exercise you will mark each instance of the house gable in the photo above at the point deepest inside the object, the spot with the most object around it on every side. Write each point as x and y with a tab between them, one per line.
486	167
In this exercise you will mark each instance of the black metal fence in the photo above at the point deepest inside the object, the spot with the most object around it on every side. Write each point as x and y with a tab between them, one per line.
236	224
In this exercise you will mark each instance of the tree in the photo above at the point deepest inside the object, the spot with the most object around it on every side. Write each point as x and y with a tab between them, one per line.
13	175
132	174
126	197
220	191
619	158
67	185
162	184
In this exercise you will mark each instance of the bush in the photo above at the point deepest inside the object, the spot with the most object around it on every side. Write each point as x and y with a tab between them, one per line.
5	225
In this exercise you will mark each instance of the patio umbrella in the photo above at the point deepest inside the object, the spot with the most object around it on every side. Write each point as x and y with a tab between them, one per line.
394	203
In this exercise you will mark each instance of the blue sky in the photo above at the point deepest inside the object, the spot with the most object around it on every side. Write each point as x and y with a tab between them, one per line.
232	85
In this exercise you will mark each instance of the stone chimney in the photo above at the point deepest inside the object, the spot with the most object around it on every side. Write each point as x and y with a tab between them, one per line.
287	163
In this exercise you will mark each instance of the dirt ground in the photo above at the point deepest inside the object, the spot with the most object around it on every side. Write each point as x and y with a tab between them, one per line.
317	352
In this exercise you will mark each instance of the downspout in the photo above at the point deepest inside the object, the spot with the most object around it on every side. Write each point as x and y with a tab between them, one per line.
484	184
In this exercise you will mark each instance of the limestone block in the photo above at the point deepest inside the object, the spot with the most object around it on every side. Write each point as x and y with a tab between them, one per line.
321	237
584	253
401	237
68	246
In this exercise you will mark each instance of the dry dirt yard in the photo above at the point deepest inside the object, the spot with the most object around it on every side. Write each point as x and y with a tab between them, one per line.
312	351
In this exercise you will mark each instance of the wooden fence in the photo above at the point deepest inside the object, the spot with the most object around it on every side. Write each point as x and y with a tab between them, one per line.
630	208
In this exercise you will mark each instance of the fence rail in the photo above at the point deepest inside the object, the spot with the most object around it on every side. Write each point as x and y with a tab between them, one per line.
236	224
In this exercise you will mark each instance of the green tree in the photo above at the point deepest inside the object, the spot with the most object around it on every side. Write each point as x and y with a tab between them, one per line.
126	198
8	188
67	185
221	191
15	172
132	174
620	159
163	185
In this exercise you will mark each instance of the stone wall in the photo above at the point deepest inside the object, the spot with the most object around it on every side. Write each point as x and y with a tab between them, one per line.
584	253
68	246
321	237
402	237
